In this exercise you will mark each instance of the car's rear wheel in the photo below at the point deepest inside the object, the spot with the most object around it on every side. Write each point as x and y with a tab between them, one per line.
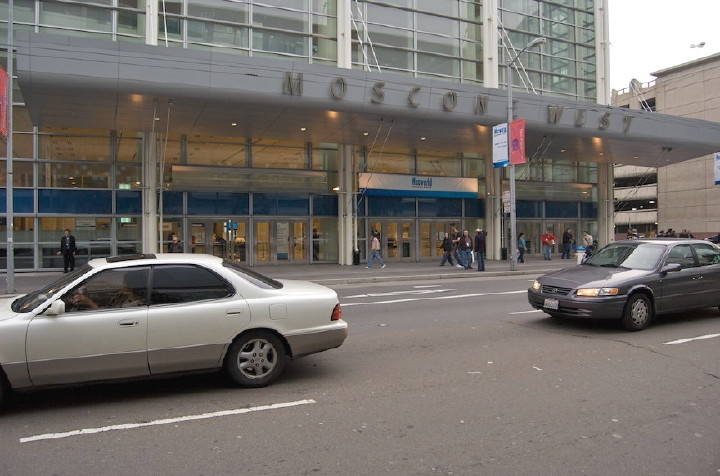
638	313
256	359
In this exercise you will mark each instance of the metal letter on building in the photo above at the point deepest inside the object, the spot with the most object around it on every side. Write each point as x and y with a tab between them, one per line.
293	86
627	121
450	100
378	95
338	88
604	121
481	104
580	116
411	97
555	114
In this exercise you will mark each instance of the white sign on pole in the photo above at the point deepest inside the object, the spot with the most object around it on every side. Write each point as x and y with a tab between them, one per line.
500	145
716	155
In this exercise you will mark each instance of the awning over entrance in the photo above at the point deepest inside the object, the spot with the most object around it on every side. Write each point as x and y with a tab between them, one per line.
89	83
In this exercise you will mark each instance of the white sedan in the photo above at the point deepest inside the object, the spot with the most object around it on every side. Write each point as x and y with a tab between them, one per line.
145	315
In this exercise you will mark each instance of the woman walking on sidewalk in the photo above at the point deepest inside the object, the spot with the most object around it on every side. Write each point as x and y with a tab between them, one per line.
375	251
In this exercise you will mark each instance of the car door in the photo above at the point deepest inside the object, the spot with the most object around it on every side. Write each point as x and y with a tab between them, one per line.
99	341
193	315
708	257
681	289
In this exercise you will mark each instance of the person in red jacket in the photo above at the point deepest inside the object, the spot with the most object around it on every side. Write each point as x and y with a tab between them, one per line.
548	240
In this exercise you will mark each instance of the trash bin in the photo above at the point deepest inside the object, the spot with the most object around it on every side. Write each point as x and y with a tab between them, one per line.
580	253
503	254
356	257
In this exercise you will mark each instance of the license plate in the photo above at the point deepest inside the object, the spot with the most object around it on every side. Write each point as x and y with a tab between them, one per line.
550	303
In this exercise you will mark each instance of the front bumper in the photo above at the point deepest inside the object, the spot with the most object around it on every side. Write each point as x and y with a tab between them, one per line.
606	307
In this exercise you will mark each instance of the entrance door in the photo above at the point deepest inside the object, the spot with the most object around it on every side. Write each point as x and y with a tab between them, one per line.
214	238
431	238
281	241
397	242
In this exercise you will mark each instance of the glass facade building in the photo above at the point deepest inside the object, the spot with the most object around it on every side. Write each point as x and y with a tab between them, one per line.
269	198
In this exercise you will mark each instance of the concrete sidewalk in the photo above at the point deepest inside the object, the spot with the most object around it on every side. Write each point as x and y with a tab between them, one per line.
333	274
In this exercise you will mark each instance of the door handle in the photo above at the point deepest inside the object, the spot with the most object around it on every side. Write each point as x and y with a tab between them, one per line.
128	323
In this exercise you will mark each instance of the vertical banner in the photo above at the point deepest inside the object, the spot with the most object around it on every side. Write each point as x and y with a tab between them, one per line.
517	142
500	145
3	102
716	164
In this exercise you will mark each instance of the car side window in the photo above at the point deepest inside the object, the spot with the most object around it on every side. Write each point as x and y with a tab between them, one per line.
682	255
173	284
109	289
707	254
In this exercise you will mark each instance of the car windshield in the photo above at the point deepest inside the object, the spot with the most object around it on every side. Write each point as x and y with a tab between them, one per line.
253	276
644	256
34	299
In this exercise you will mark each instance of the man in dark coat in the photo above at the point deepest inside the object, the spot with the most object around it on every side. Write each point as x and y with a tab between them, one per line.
68	250
480	248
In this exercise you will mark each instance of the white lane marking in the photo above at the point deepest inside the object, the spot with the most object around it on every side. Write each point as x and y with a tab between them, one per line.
428	286
166	421
400	293
683	341
457	296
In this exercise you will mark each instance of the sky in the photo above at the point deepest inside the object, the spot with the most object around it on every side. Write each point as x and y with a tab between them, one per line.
650	35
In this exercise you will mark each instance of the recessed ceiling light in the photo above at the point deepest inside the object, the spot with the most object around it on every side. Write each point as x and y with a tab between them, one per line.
233	124
366	133
303	129
422	138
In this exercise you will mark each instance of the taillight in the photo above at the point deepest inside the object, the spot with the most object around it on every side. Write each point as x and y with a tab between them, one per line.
337	313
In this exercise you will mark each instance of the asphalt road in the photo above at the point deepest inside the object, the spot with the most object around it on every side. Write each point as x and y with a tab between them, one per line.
451	377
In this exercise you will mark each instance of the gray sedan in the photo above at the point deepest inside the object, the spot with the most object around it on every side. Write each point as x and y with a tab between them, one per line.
633	281
146	315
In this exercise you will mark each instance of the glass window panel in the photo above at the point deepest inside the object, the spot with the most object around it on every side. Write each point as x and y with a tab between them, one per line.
21	118
128	176
218	34
437	25
443	166
172	203
128	229
474	208
325	205
71	147
437	44
391	58
228	12
280	42
387	36
585	36
217	153
24	11
73	175
22	173
326	50
280	19
326	7
438	65
128	149
390	162
391	207
276	154
390	16
523	6
131	23
128	201
218	203
23	257
296	4
473	166
439	8
52	229
76	16
561	209
74	201
325	157
439	207
23	200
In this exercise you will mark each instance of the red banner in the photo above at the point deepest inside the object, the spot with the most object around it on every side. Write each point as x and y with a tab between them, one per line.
3	102
517	142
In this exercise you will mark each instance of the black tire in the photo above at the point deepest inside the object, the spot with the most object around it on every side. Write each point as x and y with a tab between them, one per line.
256	359
638	313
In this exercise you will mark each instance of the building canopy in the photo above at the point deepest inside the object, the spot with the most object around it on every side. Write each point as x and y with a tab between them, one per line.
89	83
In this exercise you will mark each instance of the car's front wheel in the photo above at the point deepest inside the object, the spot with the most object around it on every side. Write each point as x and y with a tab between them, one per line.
638	313
256	359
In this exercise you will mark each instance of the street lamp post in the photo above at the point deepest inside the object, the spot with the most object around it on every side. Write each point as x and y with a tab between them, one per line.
513	217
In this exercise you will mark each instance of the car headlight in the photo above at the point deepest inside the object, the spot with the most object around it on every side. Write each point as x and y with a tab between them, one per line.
594	292
536	286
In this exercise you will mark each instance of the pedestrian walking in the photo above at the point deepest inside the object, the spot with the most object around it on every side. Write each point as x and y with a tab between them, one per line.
480	248
522	247
375	251
548	240
447	247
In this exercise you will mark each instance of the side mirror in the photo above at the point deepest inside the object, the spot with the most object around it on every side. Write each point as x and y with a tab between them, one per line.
56	308
671	267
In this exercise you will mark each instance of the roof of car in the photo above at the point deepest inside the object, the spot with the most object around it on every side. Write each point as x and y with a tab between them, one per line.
662	240
150	258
